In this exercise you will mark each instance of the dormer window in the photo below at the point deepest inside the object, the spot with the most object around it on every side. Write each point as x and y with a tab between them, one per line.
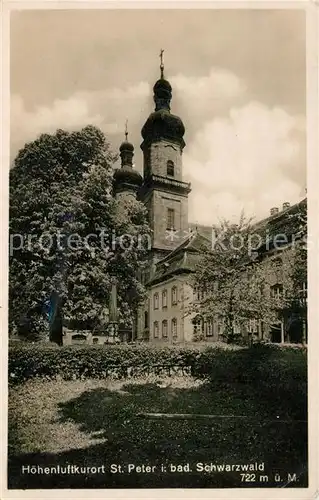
170	168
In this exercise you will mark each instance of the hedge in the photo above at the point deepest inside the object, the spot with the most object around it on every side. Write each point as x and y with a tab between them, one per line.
74	362
266	365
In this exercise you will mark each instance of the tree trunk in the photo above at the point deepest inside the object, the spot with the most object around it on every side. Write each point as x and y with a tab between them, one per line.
56	320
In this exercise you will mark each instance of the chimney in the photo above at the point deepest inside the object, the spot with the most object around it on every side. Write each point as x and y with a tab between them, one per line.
285	205
274	211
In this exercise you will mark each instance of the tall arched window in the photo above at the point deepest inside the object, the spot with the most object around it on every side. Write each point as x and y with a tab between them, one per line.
174	295
196	324
174	327
164	328
164	298
156	301
170	168
155	329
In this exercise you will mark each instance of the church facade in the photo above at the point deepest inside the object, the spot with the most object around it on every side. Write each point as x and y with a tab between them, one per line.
177	245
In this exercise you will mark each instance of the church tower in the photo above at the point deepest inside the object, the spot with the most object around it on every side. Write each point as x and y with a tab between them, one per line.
163	192
126	180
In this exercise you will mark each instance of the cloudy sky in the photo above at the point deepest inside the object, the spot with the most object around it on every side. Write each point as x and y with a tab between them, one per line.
238	79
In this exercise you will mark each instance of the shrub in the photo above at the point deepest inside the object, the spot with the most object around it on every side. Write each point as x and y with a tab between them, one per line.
72	362
266	367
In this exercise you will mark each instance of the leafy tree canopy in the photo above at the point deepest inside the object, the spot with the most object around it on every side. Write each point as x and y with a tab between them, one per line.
66	233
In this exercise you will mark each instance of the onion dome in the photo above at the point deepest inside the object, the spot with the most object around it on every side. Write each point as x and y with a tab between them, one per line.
162	94
126	178
126	146
162	124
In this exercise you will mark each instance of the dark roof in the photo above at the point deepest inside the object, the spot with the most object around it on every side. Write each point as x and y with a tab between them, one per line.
162	86
126	146
163	124
128	176
183	259
284	222
205	231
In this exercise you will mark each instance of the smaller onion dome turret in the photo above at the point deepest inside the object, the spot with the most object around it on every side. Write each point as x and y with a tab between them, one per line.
126	178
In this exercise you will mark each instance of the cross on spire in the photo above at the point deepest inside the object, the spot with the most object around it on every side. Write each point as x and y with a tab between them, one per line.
162	62
126	132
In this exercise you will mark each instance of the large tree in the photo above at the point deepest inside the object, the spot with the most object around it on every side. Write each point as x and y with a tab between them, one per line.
65	234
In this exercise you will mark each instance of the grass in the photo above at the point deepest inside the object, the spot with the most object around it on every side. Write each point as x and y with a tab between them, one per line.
95	422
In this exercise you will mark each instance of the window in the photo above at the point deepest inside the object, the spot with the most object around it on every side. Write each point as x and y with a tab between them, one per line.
200	293
170	218
174	295
236	328
156	301
155	329
220	327
209	328
95	340
164	328
78	338
304	291
164	299
174	327
276	292
253	326
196	324
170	168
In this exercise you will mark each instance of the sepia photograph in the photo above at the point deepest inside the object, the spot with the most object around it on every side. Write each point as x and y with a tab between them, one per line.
158	241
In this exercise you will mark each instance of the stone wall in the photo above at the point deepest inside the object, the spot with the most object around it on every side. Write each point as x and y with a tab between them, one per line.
157	155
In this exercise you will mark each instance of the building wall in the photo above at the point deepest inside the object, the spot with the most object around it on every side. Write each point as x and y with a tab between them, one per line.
158	205
126	195
157	155
181	311
172	311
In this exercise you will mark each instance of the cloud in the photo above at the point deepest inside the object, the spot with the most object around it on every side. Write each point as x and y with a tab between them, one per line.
106	109
194	98
206	96
252	159
240	154
70	114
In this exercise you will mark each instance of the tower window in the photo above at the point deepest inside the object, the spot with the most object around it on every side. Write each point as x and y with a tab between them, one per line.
170	218
170	168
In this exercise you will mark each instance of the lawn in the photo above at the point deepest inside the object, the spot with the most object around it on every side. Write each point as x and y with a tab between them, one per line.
96	423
